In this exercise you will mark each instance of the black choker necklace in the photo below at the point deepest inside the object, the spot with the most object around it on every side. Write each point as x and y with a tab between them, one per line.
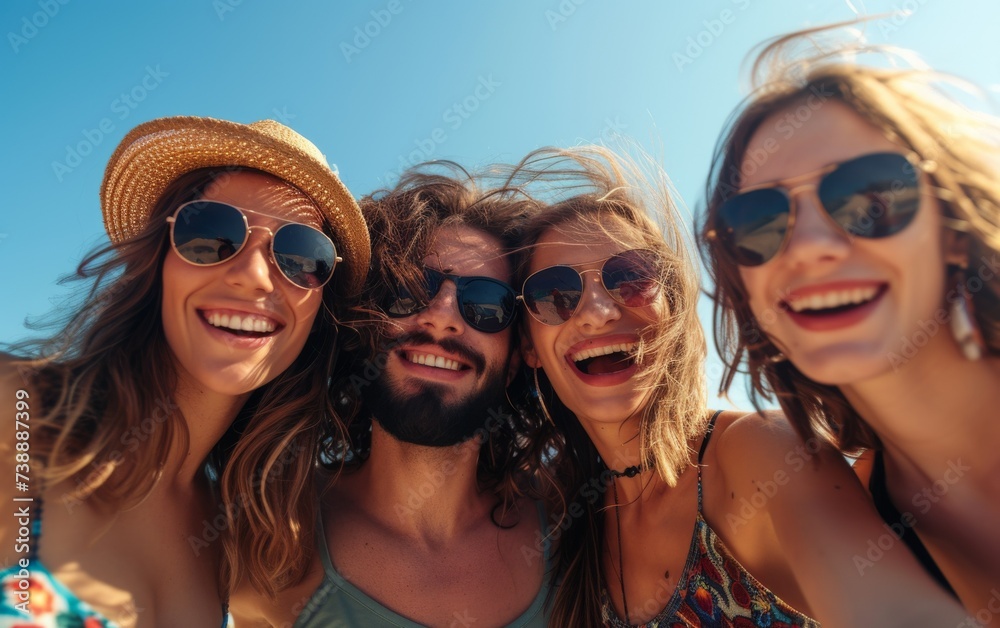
629	472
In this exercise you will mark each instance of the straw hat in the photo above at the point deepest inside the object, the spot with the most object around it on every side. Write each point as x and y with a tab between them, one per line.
159	151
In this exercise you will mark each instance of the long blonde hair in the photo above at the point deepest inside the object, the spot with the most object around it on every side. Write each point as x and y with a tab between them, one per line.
911	107
585	186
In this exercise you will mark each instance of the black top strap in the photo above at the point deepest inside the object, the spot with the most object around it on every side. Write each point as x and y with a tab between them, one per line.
890	514
701	452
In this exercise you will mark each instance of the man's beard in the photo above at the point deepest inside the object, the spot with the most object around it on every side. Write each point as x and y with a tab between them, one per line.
424	418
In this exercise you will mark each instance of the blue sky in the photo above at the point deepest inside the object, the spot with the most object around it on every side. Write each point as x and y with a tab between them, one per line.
383	83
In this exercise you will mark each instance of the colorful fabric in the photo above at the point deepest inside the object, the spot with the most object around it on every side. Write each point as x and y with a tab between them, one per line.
51	605
714	589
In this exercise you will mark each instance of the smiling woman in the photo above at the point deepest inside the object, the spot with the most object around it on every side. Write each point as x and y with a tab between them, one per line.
194	375
869	305
752	534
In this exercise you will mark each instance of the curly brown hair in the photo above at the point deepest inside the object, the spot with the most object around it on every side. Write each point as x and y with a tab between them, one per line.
403	223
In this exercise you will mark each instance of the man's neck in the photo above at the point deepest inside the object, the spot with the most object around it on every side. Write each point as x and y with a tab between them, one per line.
428	493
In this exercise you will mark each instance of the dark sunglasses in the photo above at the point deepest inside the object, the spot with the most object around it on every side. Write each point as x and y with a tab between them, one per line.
206	233
872	196
553	294
486	304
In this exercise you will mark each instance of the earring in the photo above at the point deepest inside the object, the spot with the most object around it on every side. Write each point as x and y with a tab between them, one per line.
777	357
963	322
537	393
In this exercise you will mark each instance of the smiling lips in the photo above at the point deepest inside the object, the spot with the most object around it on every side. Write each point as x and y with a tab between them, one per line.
832	299
435	361
834	305
241	323
605	364
625	347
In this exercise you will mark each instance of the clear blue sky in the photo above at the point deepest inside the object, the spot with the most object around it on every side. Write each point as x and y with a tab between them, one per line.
376	84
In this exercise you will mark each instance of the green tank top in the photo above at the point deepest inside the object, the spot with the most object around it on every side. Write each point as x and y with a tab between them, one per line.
339	604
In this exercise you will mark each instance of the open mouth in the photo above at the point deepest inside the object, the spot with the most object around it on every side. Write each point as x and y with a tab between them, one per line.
434	361
833	302
242	325
605	360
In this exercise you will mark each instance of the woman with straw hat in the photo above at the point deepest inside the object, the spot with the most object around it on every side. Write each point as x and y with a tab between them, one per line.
169	427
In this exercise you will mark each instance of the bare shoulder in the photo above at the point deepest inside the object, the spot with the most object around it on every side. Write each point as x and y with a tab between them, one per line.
757	447
742	437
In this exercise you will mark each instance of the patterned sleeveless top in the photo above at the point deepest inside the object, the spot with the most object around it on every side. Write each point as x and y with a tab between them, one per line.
714	588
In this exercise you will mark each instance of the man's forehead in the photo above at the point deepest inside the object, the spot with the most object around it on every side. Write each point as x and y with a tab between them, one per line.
465	251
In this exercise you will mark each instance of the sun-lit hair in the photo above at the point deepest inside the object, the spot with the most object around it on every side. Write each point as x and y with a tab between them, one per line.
404	221
106	380
594	190
915	108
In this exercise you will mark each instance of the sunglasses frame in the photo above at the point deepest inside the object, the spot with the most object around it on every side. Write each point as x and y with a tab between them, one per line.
583	283
461	282
790	191
172	219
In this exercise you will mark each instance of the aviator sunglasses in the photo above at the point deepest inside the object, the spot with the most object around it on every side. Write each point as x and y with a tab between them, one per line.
206	233
552	295
486	304
872	196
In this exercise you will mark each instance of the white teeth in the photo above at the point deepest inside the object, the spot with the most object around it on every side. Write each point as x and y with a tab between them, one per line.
626	347
433	360
248	322
834	298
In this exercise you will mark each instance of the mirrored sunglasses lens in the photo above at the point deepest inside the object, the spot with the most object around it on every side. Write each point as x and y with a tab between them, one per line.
486	305
305	255
404	302
873	196
208	232
752	225
631	278
552	294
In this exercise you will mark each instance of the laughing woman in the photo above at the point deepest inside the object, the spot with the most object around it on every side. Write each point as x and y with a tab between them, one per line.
170	427
677	515
859	264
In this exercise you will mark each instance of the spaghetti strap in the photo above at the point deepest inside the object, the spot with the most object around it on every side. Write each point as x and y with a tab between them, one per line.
701	452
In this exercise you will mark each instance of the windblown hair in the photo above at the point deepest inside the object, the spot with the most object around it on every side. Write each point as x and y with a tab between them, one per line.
403	222
596	190
106	384
910	105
